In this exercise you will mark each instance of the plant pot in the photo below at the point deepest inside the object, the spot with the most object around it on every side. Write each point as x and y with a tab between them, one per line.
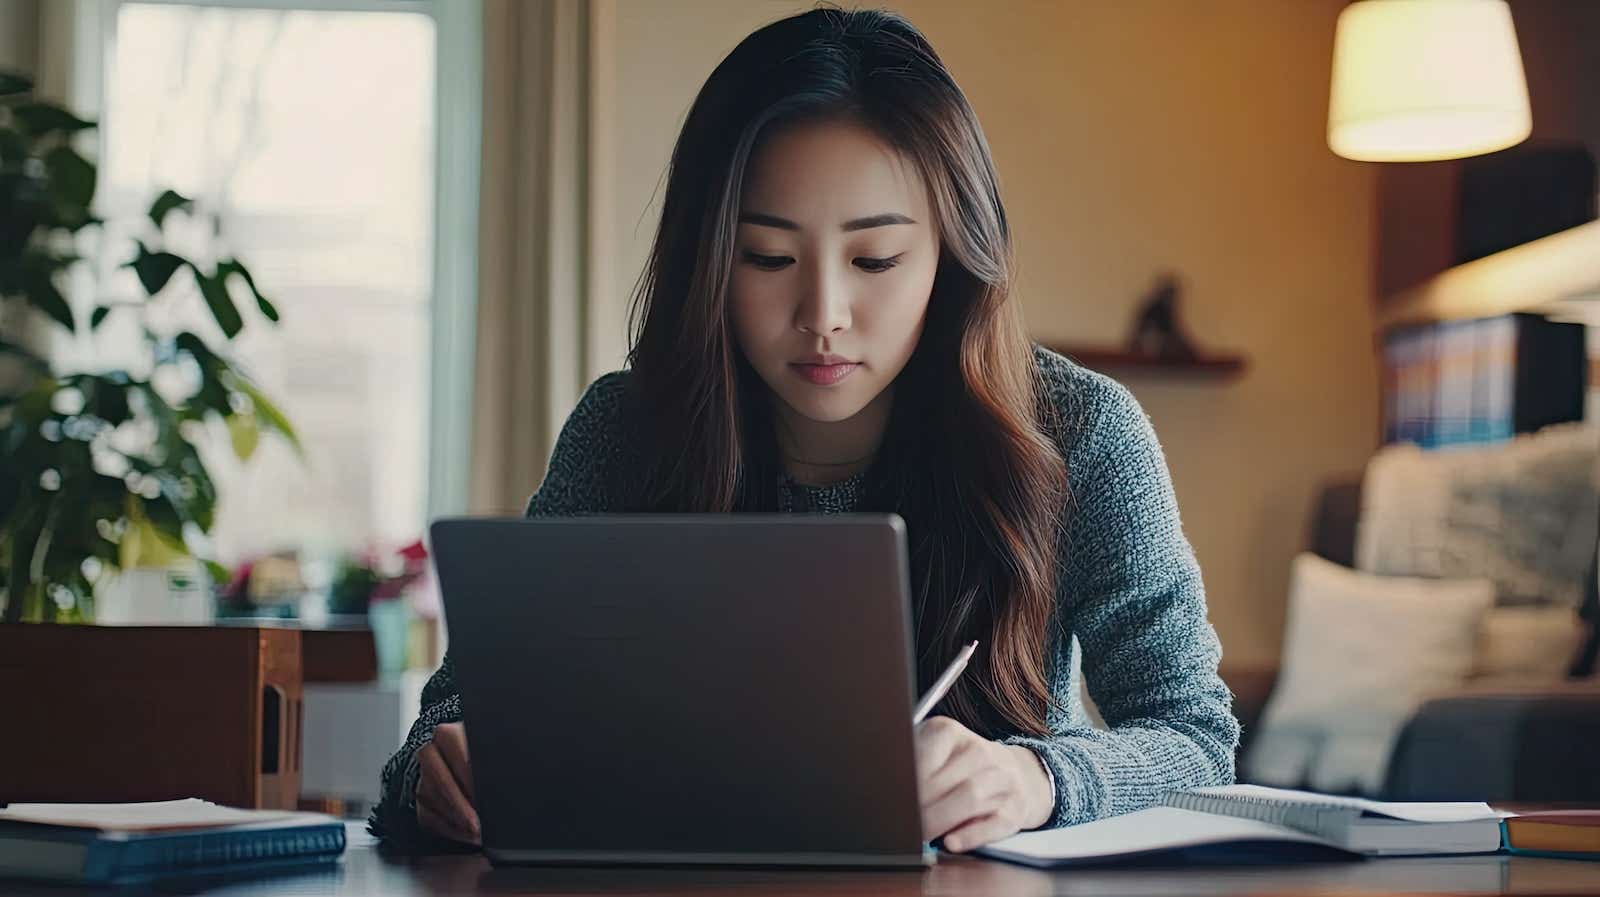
175	595
390	619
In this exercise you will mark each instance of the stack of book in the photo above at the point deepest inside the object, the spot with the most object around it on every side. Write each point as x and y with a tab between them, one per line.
148	842
1482	379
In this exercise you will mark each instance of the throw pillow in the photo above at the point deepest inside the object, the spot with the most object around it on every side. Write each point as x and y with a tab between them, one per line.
1360	654
1523	513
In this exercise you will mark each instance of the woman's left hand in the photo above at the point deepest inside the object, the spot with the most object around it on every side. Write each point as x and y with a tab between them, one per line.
974	790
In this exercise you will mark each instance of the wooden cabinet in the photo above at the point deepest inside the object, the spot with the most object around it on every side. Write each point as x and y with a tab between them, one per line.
114	713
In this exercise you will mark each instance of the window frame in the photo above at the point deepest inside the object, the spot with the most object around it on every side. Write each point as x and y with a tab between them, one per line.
458	135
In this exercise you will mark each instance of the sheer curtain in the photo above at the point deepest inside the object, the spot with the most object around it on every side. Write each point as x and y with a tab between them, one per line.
536	245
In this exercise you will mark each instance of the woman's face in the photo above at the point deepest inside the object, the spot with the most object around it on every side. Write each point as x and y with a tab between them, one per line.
833	265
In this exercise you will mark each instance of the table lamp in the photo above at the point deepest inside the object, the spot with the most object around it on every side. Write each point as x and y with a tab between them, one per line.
1421	80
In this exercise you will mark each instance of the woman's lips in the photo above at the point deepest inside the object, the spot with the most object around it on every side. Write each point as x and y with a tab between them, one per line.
825	374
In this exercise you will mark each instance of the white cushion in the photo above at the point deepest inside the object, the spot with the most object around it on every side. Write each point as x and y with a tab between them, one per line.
1523	513
1360	654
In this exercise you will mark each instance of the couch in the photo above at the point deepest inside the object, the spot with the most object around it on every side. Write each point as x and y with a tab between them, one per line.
1496	741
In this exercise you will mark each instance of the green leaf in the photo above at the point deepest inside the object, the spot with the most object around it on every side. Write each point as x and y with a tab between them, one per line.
166	202
13	148
268	413
13	83
99	316
105	397
155	269
10	493
39	289
214	390
169	438
229	267
40	119
147	543
190	342
219	574
27	355
34	406
244	433
215	291
22	539
187	492
71	179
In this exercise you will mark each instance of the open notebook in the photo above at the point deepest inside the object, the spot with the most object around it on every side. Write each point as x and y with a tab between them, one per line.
1250	823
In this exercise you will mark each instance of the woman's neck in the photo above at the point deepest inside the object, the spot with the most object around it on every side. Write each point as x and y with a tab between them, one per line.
819	454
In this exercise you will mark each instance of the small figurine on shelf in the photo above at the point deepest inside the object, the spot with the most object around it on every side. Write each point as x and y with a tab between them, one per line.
1157	331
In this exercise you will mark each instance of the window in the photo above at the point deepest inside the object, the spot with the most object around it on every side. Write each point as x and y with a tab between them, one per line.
331	152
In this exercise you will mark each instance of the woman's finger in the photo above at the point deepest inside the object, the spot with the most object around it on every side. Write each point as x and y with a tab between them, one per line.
431	820
970	799
452	744
445	793
962	766
978	832
935	742
436	815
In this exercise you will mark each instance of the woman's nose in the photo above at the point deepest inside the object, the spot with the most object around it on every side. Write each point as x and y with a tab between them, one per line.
825	307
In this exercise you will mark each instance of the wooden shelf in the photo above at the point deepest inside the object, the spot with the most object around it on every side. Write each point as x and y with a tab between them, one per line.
1551	275
1108	361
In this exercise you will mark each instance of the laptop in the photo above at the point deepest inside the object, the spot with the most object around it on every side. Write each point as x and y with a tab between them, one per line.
695	689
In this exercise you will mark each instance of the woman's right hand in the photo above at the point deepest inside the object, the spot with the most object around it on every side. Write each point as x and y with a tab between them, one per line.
444	786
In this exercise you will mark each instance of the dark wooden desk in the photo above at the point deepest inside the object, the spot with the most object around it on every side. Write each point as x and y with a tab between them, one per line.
365	873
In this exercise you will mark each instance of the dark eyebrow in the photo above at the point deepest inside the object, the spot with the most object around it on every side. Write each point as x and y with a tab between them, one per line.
880	220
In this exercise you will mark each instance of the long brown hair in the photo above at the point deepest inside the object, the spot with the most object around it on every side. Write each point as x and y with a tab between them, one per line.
967	460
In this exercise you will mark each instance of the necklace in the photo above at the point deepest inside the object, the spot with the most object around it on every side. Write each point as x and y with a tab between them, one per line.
866	457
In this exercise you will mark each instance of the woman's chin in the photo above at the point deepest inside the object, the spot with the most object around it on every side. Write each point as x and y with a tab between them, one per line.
824	406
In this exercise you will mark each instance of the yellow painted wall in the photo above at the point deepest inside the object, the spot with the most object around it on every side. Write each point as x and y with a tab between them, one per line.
1131	137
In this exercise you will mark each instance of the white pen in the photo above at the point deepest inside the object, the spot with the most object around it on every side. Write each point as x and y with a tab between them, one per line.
946	679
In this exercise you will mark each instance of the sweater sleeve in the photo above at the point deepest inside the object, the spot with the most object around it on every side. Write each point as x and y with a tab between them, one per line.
576	481
1132	594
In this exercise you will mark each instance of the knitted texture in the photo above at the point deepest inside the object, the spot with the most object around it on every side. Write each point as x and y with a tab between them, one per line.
1131	608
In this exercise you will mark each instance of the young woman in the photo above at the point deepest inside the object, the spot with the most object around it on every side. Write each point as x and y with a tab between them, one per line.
826	325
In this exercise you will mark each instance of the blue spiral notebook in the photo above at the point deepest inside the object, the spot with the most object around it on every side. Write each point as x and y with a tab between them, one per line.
118	844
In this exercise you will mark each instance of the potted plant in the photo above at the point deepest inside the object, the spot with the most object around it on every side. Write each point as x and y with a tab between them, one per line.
375	584
102	468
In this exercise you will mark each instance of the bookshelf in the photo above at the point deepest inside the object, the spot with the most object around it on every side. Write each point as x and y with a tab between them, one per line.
1481	379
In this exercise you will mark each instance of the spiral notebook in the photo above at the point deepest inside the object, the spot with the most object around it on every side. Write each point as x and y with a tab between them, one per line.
1251	824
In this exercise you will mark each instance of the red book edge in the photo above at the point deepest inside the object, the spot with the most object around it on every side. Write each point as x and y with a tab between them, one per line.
1560	817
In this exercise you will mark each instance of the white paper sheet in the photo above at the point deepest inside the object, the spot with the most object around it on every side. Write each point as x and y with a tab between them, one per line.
167	814
1157	828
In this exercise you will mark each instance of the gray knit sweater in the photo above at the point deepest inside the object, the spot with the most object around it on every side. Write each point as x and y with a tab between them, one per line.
1132	608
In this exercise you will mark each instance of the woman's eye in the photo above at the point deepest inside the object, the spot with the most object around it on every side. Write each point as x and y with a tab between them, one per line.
876	265
767	262
777	262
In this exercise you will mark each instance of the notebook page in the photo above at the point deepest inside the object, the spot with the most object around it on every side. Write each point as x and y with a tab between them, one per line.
1143	831
1448	811
167	814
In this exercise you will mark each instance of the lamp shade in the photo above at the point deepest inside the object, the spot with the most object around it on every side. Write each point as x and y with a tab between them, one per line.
1416	80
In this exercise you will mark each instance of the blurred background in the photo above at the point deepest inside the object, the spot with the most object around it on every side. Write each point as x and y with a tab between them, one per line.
1369	370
